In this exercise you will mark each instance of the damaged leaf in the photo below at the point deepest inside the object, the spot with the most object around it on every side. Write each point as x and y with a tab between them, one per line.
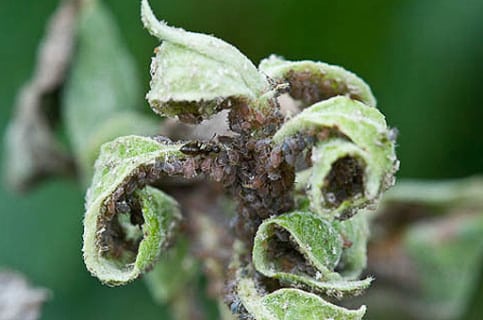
291	246
353	160
310	82
103	92
127	223
196	75
33	150
303	249
293	304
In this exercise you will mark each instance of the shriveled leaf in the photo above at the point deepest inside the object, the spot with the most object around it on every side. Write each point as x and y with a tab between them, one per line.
33	151
103	93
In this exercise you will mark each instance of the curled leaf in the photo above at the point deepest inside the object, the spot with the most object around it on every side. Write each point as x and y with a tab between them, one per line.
355	235
102	95
128	223
301	248
276	238
293	304
196	75
353	160
311	82
33	151
118	125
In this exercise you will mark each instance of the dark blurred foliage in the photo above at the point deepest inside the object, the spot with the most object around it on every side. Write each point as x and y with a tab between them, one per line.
422	58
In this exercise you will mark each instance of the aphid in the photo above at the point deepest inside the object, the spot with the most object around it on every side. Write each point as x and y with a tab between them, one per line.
222	159
274	175
131	186
111	206
277	189
393	134
233	158
168	167
281	234
190	118
122	207
259	117
217	173
236	307
262	145
225	139
154	172
205	165
245	125
330	198
276	157
189	168
229	179
257	182
346	243
162	139
118	193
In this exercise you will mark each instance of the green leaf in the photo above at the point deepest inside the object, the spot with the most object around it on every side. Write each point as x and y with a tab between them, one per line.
173	273
118	125
353	160
116	249
311	82
313	237
303	249
102	95
195	75
355	234
293	304
447	253
440	195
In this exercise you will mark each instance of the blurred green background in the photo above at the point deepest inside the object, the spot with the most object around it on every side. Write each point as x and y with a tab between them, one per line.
422	58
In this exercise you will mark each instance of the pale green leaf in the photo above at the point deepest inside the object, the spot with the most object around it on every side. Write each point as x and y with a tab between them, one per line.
355	233
102	95
303	249
121	165
291	304
312	82
196	74
172	274
356	132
